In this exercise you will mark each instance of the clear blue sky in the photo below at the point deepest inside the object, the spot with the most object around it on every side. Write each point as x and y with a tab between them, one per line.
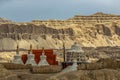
27	10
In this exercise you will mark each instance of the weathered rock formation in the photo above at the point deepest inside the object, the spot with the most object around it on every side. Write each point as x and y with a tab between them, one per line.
98	17
90	31
13	34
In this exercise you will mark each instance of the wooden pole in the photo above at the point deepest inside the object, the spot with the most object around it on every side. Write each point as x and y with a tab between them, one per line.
64	51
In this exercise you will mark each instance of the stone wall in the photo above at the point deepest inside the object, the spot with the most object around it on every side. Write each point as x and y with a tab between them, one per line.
11	66
46	69
33	69
101	64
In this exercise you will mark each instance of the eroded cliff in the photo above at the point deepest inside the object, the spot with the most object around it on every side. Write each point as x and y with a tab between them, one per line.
89	35
90	31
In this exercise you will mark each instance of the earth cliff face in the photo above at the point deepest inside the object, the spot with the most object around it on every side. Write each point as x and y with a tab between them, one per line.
44	36
39	36
89	31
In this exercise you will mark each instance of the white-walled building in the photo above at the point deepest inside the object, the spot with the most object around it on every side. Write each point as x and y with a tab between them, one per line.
75	53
